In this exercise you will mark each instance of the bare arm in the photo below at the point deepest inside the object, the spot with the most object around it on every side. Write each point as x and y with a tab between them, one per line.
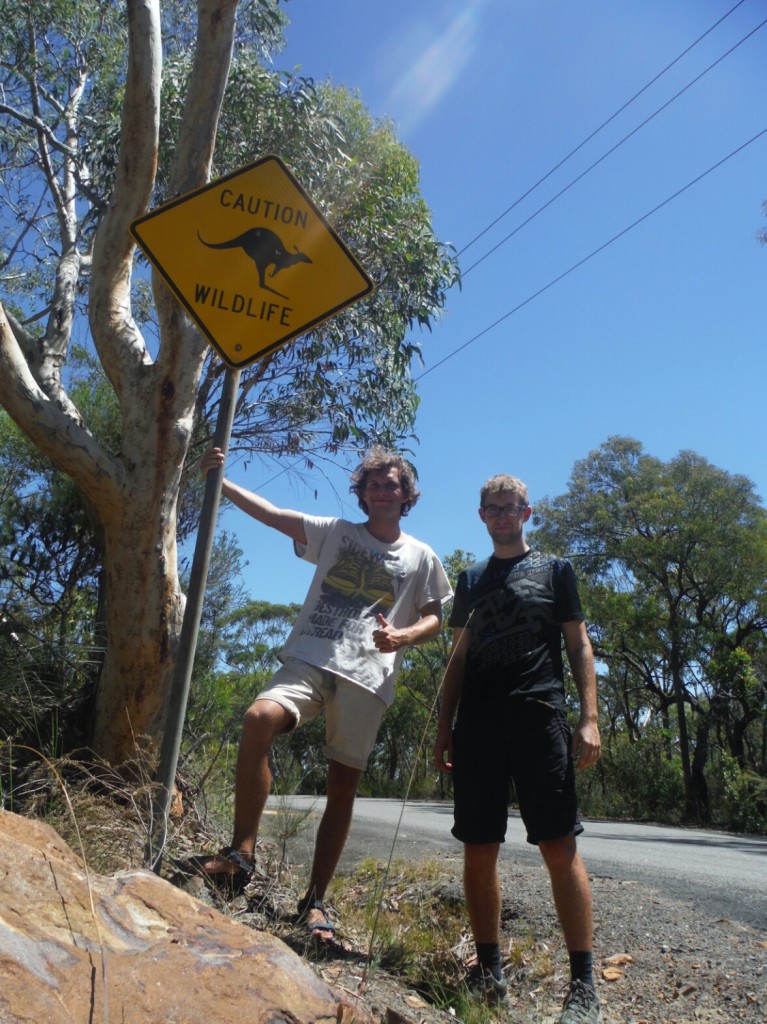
452	685
587	745
388	638
283	519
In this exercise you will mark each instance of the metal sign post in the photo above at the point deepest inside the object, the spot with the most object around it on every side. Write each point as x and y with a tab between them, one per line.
182	673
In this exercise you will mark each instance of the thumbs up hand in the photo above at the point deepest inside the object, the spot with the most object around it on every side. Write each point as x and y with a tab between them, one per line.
388	638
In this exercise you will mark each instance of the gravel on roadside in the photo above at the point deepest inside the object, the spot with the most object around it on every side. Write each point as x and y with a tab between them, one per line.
657	960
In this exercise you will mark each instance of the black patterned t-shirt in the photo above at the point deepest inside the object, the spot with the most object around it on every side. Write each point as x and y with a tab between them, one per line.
513	609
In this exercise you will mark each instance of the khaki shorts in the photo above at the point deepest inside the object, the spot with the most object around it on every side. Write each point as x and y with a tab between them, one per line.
352	713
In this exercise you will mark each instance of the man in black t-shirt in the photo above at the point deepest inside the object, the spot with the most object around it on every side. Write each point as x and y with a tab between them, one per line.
503	720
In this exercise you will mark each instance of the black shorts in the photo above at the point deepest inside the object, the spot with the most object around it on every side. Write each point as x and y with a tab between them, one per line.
526	743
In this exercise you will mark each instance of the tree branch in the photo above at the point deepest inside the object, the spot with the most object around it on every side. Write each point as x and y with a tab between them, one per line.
38	125
216	20
63	439
119	342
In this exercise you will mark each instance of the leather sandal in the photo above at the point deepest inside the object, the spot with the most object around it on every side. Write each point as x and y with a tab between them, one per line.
312	903
237	879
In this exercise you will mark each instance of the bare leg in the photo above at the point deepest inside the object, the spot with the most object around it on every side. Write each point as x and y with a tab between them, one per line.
263	720
572	892
483	890
332	834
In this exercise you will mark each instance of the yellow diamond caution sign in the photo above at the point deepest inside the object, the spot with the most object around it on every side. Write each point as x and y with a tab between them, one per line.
252	259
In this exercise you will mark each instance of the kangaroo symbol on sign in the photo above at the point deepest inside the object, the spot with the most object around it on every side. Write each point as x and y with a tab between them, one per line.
266	250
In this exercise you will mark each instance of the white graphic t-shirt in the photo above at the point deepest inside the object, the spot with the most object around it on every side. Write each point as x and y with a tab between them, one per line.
357	577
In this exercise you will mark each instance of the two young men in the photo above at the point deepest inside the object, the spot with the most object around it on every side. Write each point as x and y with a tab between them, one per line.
376	591
503	721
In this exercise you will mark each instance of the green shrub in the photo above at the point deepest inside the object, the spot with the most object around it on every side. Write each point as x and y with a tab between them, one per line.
637	780
738	799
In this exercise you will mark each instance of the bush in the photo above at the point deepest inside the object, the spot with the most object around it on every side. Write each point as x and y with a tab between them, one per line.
738	799
635	780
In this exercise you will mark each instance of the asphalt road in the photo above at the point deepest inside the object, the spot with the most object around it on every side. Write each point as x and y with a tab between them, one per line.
720	874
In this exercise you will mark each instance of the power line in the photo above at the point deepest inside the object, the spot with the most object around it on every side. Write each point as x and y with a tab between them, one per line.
599	129
595	252
613	149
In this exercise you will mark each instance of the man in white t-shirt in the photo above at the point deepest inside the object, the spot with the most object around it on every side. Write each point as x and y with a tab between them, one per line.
375	592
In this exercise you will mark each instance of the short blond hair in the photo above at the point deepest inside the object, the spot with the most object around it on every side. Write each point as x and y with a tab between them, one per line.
503	482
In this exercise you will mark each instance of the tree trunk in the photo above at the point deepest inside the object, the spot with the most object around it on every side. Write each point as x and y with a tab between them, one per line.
144	615
698	784
681	712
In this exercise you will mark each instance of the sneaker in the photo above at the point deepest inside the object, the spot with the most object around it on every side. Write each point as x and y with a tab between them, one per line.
485	987
581	1005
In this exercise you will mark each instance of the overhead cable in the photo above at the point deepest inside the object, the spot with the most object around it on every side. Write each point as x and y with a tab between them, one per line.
591	255
612	150
599	129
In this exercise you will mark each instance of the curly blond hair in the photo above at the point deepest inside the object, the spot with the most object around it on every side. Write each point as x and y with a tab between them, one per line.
379	458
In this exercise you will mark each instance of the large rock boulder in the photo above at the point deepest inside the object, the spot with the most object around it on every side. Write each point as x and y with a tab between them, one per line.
132	949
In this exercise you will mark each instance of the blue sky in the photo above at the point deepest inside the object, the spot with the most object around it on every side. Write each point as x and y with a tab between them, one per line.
660	336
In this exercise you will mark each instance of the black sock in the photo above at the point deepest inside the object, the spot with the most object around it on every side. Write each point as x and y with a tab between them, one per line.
582	967
489	956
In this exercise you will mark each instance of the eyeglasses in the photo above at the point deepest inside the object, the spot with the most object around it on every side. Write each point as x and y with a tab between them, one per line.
493	511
